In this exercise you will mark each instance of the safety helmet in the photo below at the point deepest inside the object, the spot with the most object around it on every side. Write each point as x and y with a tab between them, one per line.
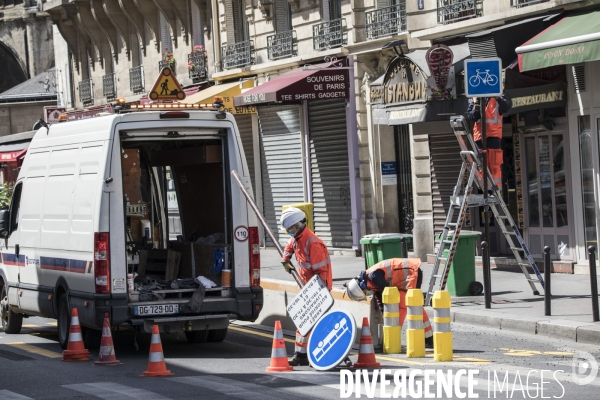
291	216
354	291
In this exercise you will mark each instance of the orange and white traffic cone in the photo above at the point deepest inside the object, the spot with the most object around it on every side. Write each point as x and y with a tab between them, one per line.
75	351
279	360
107	350
366	355
156	360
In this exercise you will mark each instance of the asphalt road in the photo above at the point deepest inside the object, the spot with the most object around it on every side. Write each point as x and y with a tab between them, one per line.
31	367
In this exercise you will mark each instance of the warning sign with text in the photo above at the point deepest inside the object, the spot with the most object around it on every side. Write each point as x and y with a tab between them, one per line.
309	305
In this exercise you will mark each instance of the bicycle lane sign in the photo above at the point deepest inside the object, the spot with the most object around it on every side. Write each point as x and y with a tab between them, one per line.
483	77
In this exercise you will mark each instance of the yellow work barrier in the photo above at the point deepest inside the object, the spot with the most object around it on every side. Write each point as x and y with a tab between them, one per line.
392	331
415	333
442	335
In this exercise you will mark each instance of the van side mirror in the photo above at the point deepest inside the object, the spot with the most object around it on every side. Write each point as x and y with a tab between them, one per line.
4	220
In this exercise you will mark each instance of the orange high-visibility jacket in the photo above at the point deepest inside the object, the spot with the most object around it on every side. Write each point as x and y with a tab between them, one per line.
493	120
399	272
312	257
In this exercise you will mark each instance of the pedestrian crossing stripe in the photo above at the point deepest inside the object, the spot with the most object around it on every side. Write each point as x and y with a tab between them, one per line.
166	87
30	348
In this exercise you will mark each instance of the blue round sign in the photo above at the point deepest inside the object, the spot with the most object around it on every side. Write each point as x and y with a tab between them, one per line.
331	340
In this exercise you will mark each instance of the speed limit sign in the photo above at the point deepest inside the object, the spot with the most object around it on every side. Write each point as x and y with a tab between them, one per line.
241	233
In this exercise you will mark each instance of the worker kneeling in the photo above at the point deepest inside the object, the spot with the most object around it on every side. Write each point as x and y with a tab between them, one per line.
404	274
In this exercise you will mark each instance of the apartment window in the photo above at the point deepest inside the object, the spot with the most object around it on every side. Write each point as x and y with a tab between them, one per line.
237	27
197	26
165	35
283	16
331	9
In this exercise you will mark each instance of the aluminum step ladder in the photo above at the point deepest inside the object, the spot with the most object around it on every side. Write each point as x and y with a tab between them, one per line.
461	200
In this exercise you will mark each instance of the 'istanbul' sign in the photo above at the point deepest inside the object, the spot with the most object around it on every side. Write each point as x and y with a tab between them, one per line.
404	83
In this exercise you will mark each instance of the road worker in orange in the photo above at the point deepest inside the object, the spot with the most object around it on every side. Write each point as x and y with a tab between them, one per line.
495	107
403	273
313	259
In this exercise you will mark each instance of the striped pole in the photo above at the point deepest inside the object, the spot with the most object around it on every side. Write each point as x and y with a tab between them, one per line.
415	332
442	335
392	331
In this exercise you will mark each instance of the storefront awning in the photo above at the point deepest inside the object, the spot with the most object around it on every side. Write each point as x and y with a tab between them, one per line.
11	153
318	82
573	39
226	90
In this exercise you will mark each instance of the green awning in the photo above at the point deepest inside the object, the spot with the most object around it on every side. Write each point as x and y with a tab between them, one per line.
573	39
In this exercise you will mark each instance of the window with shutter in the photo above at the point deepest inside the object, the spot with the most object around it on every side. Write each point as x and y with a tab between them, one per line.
229	22
325	10
283	16
384	3
239	21
197	27
165	35
335	9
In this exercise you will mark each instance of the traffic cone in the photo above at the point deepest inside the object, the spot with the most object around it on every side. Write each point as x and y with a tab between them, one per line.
107	350
279	360
156	360
75	351
366	355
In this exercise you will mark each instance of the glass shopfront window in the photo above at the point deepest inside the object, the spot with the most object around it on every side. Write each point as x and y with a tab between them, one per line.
587	180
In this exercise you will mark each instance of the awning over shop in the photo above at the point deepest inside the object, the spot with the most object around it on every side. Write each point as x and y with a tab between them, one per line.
226	90
317	82
11	153
440	110
573	39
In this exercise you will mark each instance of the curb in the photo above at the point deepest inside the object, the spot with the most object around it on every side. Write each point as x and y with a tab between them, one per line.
574	331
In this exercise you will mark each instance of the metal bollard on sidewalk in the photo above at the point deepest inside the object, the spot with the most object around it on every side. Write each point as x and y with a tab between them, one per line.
392	331
442	335
594	283
547	282
415	332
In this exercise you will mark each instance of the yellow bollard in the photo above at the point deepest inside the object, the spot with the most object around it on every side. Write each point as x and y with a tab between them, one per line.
415	332
442	335
392	331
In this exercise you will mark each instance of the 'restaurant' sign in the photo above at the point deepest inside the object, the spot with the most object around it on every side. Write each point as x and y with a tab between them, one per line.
321	84
537	97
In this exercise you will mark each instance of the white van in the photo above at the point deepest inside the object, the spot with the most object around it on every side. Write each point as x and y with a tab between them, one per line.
91	227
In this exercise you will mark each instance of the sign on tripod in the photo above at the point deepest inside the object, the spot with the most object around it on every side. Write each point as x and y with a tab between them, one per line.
483	77
310	304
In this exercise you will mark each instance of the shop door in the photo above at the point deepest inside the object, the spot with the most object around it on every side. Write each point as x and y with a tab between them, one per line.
330	172
548	212
281	163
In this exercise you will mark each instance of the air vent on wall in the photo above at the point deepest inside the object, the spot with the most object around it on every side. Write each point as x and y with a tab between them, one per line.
579	77
482	46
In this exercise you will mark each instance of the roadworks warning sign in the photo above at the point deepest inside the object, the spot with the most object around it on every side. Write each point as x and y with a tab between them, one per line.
166	87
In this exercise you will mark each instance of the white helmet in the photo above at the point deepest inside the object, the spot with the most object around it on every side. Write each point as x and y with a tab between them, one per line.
354	291
291	216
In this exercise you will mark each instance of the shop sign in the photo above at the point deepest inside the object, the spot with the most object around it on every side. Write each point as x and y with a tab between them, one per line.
441	83
404	83
51	113
389	175
537	97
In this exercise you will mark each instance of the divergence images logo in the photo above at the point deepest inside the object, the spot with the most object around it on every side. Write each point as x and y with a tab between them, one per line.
585	368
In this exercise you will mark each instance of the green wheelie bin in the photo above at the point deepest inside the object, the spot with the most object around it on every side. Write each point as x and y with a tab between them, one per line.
461	279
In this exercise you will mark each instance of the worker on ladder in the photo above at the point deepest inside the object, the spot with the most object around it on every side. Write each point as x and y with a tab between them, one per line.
403	273
495	107
313	259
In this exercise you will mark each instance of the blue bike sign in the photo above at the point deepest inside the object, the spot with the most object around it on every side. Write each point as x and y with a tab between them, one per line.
483	77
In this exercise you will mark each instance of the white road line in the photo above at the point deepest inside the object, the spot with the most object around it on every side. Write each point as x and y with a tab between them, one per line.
8	395
114	391
230	387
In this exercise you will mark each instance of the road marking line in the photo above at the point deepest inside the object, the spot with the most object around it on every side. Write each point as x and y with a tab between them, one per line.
235	328
107	390
230	387
52	323
31	326
8	395
35	349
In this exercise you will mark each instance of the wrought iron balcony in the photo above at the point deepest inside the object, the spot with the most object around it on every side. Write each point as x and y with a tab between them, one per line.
109	86
237	55
523	3
281	45
136	79
86	92
330	34
450	11
197	68
386	21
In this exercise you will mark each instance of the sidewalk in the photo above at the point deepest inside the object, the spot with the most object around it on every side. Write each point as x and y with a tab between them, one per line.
514	307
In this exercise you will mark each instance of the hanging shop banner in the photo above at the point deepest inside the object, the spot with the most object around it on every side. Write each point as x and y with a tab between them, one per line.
537	97
441	82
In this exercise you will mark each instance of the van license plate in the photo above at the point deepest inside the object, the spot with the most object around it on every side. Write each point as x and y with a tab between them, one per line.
156	310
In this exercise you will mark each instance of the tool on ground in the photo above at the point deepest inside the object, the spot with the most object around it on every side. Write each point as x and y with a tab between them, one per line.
392	331
107	349
415	331
156	359
262	220
472	169
366	355
376	318
279	360
442	335
75	351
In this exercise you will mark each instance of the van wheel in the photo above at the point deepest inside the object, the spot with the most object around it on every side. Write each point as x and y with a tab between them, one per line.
11	321
197	336
64	321
91	337
217	335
